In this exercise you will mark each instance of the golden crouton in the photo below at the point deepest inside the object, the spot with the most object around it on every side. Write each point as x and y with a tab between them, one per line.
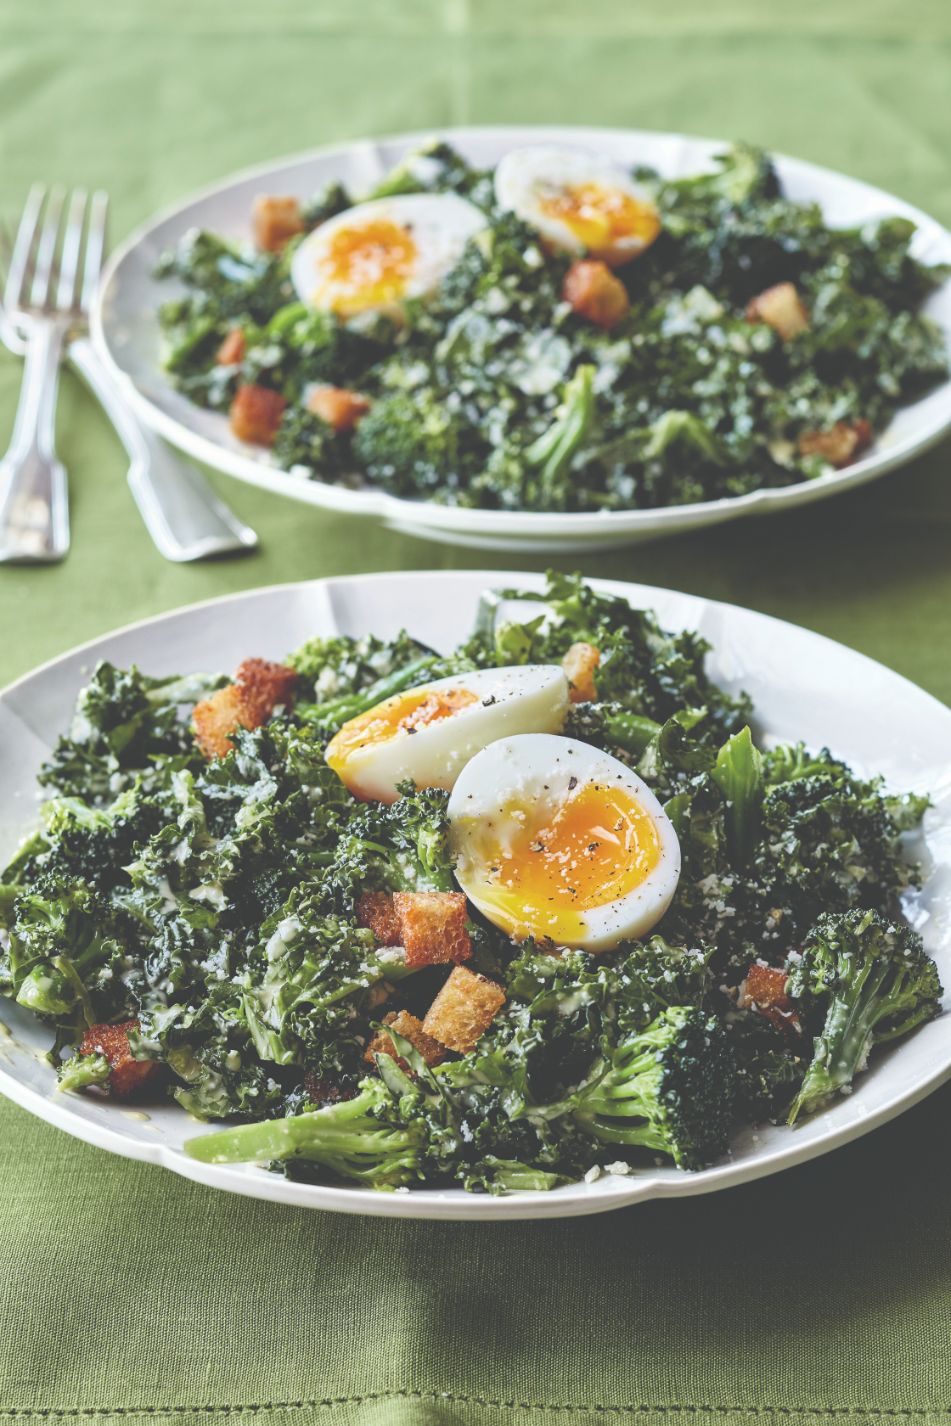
339	407
275	221
232	348
840	445
433	927
579	664
377	910
127	1075
593	291
463	1010
781	308
247	703
255	414
264	685
411	1029
215	718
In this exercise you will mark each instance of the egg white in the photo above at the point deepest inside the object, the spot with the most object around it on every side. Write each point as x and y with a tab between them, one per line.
542	771
526	176
440	226
508	701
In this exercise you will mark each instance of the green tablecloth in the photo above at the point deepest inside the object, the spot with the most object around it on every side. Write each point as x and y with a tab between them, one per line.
126	1295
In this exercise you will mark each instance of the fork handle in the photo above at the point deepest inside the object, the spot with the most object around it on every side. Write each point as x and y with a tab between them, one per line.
185	518
34	499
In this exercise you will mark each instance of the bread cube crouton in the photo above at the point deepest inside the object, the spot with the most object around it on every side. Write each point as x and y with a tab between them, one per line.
247	703
127	1075
255	414
411	1029
841	445
764	990
340	408
232	349
324	1091
215	718
433	927
275	221
593	291
579	664
430	925
463	1010
781	308
376	909
264	686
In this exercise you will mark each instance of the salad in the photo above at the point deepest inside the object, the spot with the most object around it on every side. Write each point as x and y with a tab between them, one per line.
505	917
557	334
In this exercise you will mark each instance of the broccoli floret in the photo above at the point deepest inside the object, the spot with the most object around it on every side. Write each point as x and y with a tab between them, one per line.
411	443
373	1138
669	1088
401	846
867	981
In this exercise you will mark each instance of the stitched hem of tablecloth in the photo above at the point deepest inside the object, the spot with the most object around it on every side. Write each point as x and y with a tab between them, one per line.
74	1413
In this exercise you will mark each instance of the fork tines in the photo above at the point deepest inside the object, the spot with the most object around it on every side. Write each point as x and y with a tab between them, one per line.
53	266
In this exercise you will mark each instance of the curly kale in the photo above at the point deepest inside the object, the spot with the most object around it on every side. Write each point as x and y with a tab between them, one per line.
216	905
688	397
642	669
125	724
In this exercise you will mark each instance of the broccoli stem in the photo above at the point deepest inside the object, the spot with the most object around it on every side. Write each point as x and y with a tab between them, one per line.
842	1049
337	711
628	1091
554	450
346	1138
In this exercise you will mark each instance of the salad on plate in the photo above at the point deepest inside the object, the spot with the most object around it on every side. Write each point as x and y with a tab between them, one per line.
533	910
557	334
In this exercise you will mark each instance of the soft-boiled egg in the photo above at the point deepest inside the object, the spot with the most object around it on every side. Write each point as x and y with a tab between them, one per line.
427	734
376	256
557	840
578	201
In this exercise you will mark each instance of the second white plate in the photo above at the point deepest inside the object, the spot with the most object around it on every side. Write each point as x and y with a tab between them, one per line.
126	332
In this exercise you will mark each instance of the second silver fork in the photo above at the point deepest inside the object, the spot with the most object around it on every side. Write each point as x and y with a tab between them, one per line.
42	295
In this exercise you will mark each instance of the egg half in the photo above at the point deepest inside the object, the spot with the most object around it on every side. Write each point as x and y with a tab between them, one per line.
427	734
556	839
578	201
378	255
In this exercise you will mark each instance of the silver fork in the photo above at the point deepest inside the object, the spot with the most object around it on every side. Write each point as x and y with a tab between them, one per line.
34	501
186	520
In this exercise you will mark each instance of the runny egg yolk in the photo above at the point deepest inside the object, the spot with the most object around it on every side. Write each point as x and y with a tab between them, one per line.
367	265
596	846
601	218
403	713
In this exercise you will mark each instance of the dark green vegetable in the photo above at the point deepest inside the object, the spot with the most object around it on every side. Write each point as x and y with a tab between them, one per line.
217	905
685	399
865	981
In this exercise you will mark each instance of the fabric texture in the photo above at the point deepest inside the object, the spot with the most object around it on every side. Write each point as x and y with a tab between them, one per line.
128	1296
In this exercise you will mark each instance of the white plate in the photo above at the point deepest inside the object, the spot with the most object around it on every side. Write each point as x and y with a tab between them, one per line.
803	686
125	329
